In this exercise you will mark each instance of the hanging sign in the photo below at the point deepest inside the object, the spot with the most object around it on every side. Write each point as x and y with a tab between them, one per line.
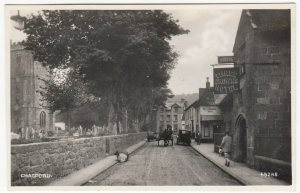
226	80
225	59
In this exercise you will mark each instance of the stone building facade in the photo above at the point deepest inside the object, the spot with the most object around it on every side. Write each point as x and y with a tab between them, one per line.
259	114
27	106
170	114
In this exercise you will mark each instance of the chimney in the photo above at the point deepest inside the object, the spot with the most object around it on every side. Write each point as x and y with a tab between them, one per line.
185	104
207	83
182	100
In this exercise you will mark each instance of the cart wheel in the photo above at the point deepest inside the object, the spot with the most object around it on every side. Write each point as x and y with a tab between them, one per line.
166	143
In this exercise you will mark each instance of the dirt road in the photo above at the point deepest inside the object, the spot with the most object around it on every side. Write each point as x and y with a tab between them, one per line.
155	166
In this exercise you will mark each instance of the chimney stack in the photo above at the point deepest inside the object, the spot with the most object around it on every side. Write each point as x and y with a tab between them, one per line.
207	83
186	104
182	100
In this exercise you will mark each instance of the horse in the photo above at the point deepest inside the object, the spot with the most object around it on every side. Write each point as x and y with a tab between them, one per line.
166	135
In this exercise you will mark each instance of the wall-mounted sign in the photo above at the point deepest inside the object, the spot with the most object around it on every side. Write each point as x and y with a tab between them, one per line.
210	110
225	59
226	80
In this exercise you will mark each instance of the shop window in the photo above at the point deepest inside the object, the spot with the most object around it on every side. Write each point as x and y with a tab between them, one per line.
206	129
175	127
197	128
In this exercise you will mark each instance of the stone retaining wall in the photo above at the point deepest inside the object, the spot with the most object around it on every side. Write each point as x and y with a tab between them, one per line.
58	159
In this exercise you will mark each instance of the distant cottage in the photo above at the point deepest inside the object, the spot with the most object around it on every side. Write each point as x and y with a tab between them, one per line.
204	115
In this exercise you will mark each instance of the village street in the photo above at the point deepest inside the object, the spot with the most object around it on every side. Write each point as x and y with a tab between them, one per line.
169	166
88	88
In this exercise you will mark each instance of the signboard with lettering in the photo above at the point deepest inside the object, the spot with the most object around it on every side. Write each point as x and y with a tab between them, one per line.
210	110
226	80
225	59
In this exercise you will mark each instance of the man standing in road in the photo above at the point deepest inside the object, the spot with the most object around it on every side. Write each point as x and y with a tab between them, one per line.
226	147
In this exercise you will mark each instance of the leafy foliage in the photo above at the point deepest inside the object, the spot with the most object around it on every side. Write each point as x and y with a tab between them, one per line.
63	95
122	56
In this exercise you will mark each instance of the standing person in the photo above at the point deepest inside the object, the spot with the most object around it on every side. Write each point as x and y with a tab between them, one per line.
226	147
198	138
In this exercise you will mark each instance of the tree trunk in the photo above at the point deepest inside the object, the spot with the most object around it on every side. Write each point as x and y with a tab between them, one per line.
111	117
126	121
69	119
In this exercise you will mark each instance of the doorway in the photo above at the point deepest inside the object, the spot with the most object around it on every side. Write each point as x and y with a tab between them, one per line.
242	138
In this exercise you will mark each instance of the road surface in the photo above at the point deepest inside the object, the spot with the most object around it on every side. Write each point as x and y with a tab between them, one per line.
155	166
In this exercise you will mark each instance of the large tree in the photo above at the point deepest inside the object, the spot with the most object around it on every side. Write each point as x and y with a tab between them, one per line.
122	56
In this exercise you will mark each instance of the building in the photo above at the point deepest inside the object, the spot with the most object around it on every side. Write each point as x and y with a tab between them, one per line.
204	115
191	113
190	118
27	107
258	116
170	114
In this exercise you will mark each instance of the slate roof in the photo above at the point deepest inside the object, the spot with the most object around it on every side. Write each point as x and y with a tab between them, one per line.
261	20
270	19
168	105
208	98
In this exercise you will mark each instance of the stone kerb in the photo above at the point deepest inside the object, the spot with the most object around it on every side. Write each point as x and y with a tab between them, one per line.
41	163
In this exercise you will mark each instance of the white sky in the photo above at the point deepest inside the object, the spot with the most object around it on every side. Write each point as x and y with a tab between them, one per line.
212	34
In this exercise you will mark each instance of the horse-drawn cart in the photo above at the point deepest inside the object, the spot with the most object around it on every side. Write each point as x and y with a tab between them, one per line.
166	136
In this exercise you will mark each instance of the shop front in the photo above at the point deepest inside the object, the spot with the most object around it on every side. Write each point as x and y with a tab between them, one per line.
211	119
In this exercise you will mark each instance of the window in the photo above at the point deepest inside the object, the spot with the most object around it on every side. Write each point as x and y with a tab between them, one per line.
161	117
240	97
175	109
175	127
18	59
168	117
242	69
175	117
43	119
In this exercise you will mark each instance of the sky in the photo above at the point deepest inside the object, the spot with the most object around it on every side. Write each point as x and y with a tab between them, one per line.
212	34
